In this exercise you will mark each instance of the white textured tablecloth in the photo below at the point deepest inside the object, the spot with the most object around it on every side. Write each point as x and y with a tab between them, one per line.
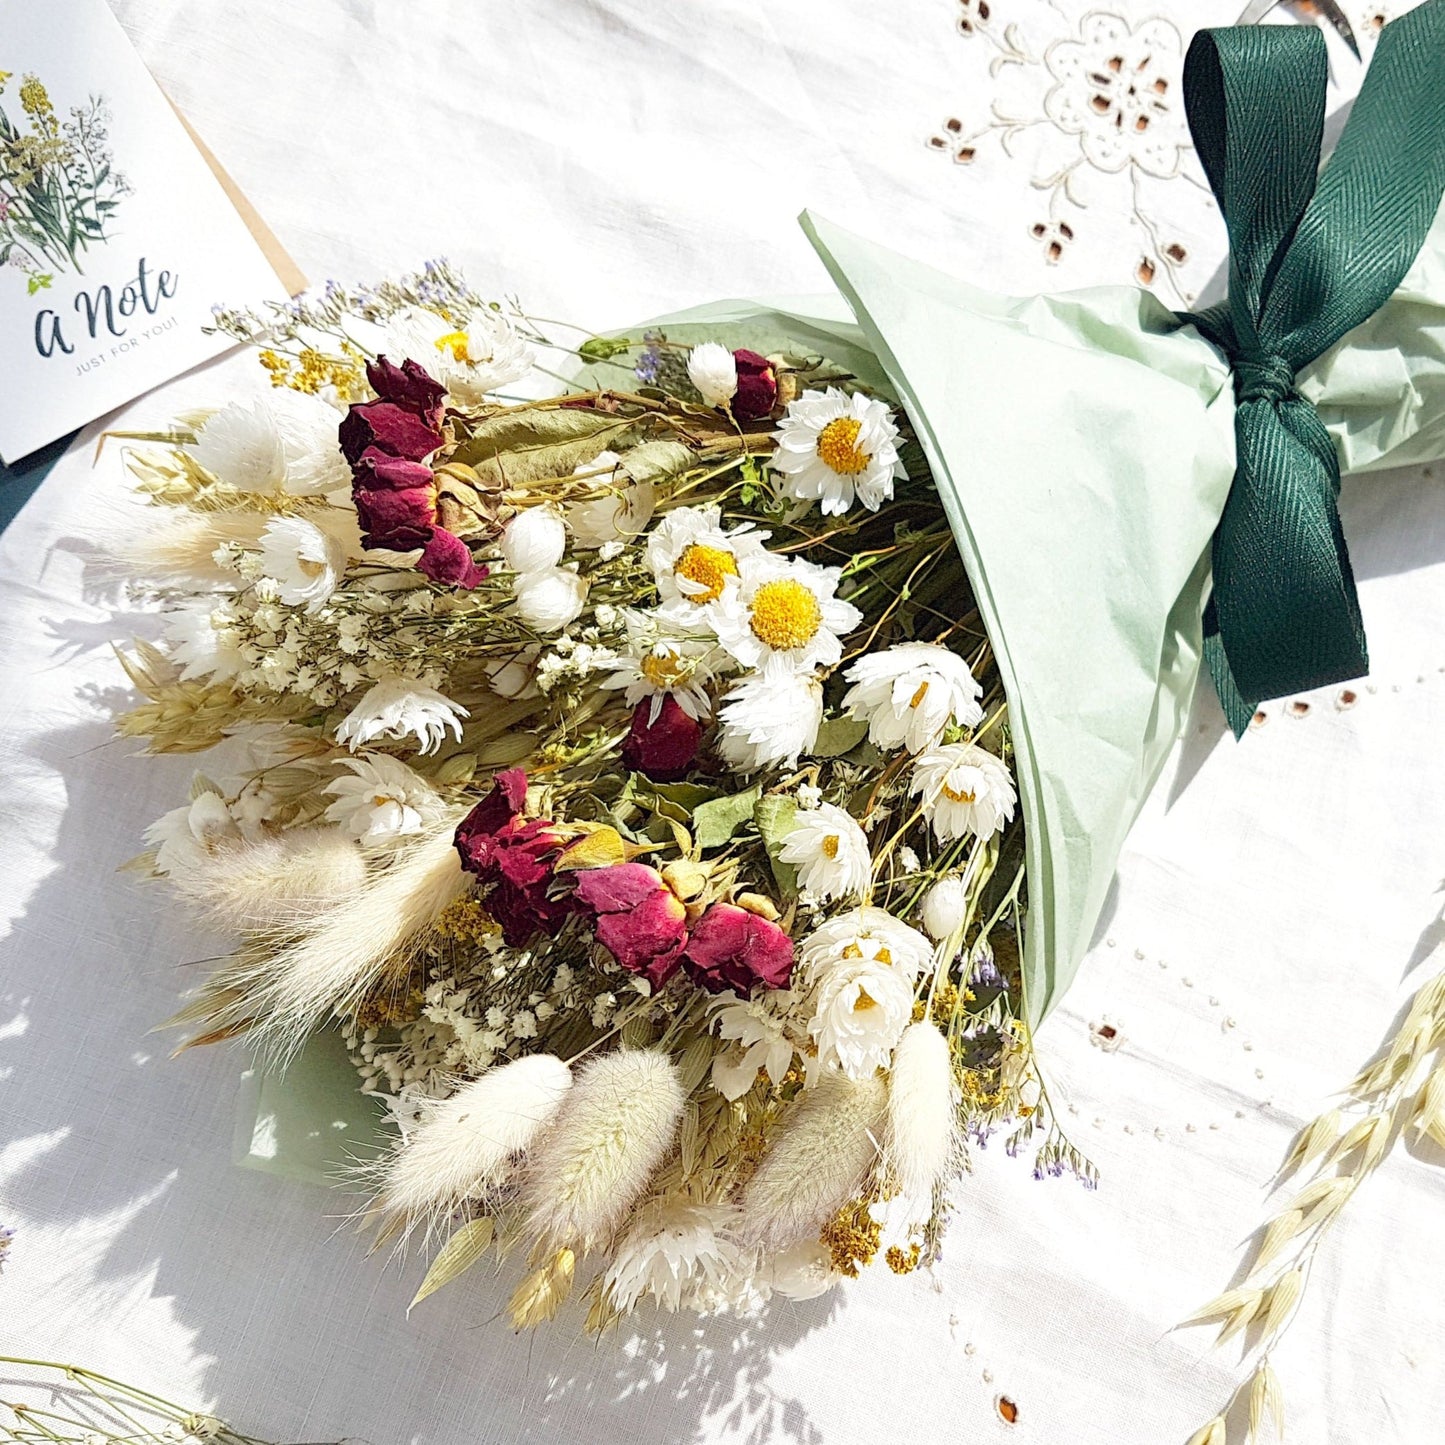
607	160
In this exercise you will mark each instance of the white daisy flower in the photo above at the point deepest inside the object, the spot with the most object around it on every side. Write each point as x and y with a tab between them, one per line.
383	801
782	613
547	601
758	1026
201	635
470	360
401	707
945	906
534	540
620	515
284	443
713	370
655	664
830	852
769	719
910	692
965	789
693	558
833	447
860	1010
869	935
303	561
673	1252
187	835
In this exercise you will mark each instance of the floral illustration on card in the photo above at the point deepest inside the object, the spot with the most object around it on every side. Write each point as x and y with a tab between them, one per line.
1091	109
59	189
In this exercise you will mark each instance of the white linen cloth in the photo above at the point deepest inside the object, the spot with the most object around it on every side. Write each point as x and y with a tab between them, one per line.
607	160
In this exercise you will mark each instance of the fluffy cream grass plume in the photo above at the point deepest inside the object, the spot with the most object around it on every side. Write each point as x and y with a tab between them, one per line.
345	951
182	543
819	1161
276	882
922	1137
614	1129
466	1144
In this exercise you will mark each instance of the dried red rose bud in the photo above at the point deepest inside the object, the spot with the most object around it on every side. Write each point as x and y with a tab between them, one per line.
663	750
757	391
733	948
637	916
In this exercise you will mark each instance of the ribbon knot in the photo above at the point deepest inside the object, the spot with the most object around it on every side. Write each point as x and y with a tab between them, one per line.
1262	378
1312	254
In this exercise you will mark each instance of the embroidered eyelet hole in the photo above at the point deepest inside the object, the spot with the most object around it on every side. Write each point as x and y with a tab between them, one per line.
1298	708
1008	1411
1145	271
1346	698
1259	719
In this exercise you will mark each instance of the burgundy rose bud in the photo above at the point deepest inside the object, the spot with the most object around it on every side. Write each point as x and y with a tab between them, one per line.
757	392
389	428
477	832
398	521
375	471
661	750
447	559
732	948
637	916
409	386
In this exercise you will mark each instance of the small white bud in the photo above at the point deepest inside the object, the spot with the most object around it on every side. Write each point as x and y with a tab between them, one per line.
534	540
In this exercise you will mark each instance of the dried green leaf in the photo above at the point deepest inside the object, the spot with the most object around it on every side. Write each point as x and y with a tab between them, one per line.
465	1247
838	735
715	823
652	461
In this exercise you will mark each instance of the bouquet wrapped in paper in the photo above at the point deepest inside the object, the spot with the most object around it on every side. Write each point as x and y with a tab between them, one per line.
677	796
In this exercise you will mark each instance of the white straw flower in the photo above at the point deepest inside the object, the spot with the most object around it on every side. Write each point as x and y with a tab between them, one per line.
860	1010
693	557
782	613
758	1026
201	635
910	692
865	933
470	358
184	836
548	601
945	906
467	1145
922	1130
820	1158
383	800
284	443
833	448
304	562
621	514
534	540
965	790
592	1165
400	707
657	665
830	852
712	369
770	719
675	1252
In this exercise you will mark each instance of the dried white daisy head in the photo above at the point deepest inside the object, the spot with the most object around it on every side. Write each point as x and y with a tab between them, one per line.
830	852
833	448
768	719
865	934
399	708
910	692
965	790
693	557
185	836
676	1252
713	370
200	634
547	601
658	663
534	540
784	613
470	358
758	1028
860	1009
620	514
383	802
283	443
305	563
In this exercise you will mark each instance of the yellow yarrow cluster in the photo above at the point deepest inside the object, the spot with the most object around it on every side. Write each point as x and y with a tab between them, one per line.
852	1237
384	1008
312	370
464	920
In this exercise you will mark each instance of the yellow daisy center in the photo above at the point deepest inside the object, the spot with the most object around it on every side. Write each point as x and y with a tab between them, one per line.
918	696
664	669
830	845
707	567
959	795
864	1001
785	614
456	343
882	956
838	446
310	568
852	950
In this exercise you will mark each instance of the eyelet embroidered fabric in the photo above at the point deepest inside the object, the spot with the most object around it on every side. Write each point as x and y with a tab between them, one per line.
608	160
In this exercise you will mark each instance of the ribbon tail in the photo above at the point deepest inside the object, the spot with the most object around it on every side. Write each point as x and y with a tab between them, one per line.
1238	710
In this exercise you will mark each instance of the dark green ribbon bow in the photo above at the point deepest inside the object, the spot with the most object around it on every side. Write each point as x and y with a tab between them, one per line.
1312	254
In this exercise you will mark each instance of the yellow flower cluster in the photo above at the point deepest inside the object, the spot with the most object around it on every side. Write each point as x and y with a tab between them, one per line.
35	102
903	1261
464	920
312	370
852	1237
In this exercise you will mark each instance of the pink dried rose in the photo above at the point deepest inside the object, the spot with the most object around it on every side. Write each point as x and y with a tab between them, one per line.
665	749
637	916
732	948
